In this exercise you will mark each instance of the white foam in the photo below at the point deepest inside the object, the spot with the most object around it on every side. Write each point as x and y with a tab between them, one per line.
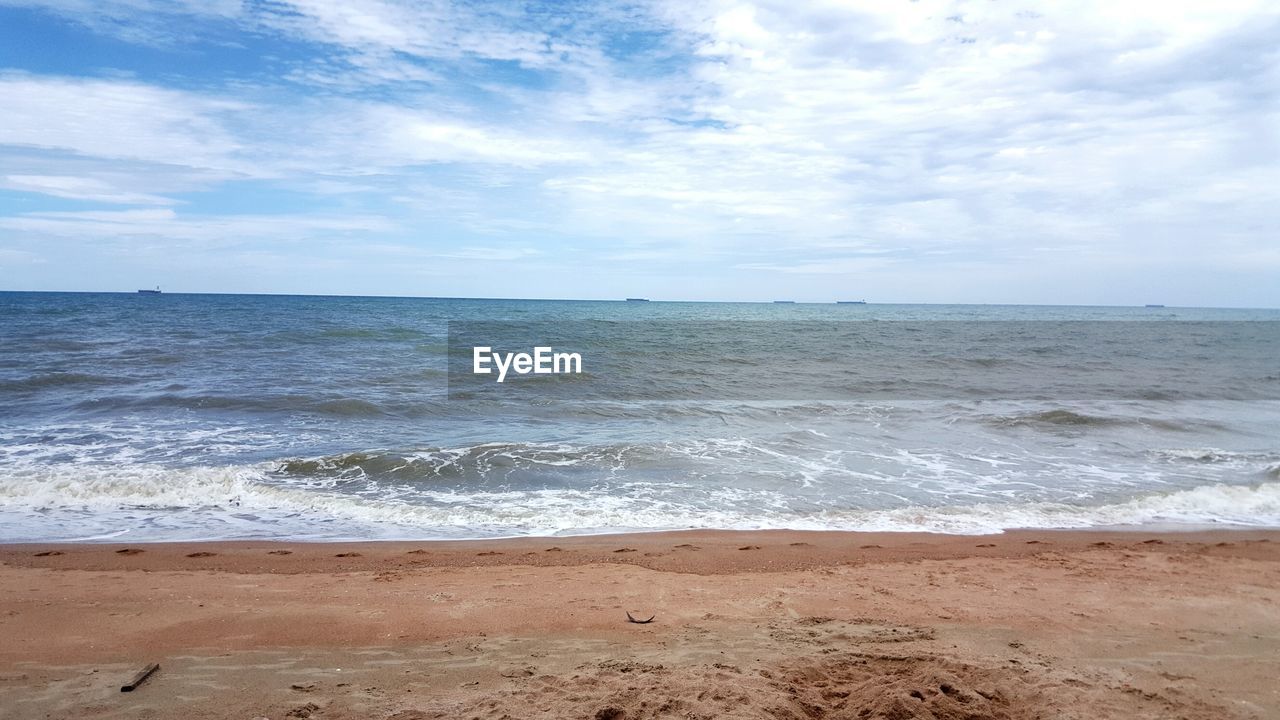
149	502
1240	505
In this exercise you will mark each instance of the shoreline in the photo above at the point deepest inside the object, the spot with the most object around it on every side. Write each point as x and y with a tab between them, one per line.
1173	528
729	550
747	624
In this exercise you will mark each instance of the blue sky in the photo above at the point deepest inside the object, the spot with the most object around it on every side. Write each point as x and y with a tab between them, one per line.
1067	152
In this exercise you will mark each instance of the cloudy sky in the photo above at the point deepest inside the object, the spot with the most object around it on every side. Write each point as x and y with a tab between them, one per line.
1067	152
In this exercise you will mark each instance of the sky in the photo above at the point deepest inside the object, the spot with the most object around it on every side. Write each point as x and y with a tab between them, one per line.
991	152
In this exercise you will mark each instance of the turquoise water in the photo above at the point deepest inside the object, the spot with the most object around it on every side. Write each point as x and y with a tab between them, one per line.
161	417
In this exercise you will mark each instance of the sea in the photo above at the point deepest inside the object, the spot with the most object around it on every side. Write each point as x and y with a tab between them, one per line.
130	417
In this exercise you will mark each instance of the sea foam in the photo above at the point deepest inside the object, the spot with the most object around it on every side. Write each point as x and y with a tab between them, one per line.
158	503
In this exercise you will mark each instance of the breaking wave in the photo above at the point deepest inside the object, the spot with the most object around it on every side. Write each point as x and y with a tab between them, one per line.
60	379
158	503
1070	419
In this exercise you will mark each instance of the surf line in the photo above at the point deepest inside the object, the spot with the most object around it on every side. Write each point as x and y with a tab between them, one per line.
543	361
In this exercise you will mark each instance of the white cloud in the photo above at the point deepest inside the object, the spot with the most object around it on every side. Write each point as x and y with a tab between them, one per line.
80	188
968	123
490	253
219	138
120	120
408	137
167	225
12	258
827	266
937	132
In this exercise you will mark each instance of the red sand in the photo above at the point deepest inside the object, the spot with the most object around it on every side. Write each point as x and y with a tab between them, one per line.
748	625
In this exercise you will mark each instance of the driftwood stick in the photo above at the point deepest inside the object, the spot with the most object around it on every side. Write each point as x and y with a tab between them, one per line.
143	674
640	622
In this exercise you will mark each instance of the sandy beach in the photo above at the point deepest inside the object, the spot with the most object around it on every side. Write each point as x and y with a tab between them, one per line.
746	625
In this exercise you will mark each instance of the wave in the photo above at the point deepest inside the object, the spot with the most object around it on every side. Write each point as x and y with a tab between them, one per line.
350	334
1062	418
471	462
337	407
1237	505
347	407
60	379
78	500
1249	461
1214	455
1057	417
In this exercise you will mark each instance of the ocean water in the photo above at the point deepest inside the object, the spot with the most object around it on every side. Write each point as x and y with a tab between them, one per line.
133	417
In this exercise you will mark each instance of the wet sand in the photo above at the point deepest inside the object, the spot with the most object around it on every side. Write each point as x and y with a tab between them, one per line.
746	625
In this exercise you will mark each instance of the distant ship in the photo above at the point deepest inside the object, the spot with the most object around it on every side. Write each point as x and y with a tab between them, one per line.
637	299
851	302
785	302
1157	306
150	292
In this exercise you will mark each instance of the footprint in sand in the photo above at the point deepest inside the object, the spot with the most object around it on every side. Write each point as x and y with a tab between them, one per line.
687	546
48	553
987	545
303	711
129	551
870	547
488	552
802	544
200	554
279	552
417	552
554	549
621	550
348	554
749	547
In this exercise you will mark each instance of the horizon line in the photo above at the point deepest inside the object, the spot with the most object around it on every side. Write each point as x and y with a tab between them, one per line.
651	300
